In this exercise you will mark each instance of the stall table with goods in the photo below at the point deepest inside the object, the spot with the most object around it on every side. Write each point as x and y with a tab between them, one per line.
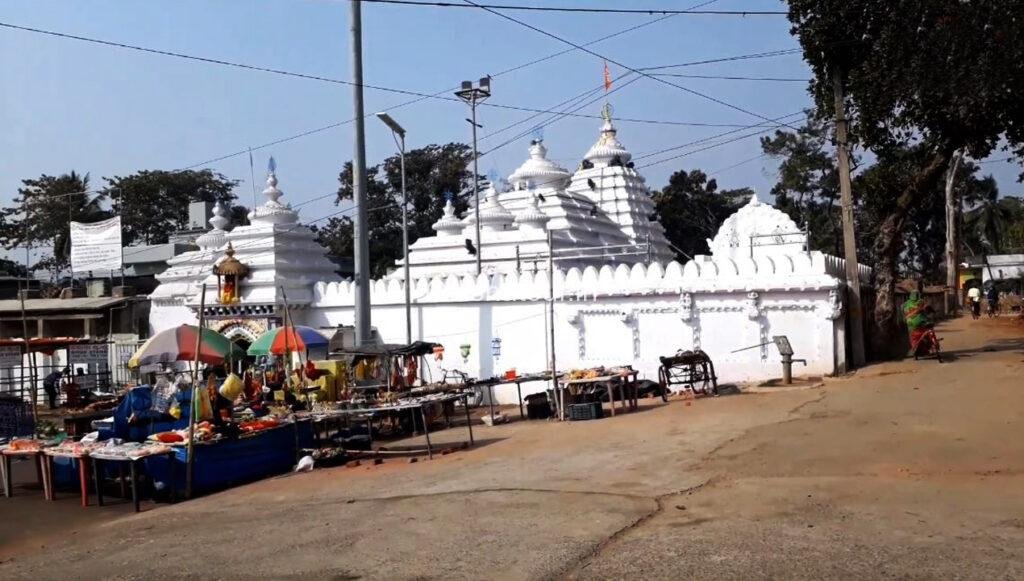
78	454
595	380
510	379
30	449
222	457
417	406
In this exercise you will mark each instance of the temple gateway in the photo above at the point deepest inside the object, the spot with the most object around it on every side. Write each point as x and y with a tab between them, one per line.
618	296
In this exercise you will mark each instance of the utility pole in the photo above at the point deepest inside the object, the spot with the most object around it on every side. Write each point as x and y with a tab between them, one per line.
856	317
361	246
952	234
473	95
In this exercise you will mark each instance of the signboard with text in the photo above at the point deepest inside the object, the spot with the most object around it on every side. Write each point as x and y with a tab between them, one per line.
10	356
96	246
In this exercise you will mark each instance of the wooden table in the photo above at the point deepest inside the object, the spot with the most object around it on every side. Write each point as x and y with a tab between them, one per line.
5	468
413	406
97	464
628	377
518	381
82	458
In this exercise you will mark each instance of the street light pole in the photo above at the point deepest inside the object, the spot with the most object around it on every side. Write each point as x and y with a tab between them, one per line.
398	132
473	95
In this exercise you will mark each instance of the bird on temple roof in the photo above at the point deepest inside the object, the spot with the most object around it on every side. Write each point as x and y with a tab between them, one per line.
586	164
616	161
591	183
630	165
541	198
470	248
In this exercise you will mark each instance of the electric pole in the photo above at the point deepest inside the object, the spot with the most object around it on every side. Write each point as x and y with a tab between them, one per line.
361	246
473	95
856	317
952	234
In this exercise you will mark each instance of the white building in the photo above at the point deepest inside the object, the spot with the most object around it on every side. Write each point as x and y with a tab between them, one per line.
613	304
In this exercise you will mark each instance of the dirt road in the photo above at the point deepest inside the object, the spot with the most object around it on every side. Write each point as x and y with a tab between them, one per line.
907	469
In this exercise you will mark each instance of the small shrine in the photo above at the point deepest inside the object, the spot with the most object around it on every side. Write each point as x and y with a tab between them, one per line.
230	273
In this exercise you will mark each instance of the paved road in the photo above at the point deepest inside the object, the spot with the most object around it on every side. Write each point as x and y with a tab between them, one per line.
908	468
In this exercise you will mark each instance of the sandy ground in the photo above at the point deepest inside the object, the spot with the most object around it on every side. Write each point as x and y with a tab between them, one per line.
909	469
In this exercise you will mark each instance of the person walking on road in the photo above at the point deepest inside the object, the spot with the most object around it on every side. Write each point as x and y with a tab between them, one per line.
992	295
974	296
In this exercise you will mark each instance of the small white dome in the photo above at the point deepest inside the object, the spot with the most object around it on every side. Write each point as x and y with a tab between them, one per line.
538	171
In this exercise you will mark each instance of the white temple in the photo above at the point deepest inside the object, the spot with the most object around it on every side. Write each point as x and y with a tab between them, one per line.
284	260
618	296
601	214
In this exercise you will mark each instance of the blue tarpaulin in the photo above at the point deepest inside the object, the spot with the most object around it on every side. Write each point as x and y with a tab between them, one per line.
138	401
228	462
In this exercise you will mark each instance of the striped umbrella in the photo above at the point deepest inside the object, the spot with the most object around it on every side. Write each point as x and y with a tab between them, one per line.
179	344
296	338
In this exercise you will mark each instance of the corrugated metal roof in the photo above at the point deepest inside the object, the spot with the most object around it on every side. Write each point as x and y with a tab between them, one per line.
73	304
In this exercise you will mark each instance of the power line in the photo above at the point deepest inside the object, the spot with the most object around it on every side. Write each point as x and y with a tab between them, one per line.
712	146
651	11
675	147
741	57
777	79
615	62
559	116
207	60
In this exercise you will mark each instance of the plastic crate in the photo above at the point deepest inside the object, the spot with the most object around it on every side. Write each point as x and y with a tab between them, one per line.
585	411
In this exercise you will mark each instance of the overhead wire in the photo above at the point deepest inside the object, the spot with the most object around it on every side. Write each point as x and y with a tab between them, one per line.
727	78
620	64
587	10
740	57
716	136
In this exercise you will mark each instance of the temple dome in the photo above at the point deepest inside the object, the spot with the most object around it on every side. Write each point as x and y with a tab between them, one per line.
760	229
608	146
531	216
273	211
449	224
493	216
216	237
538	171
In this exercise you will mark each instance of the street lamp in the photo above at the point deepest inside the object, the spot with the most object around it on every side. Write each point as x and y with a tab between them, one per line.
474	95
399	134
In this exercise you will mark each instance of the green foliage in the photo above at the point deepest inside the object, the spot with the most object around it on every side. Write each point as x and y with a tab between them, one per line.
40	212
994	225
808	190
10	267
939	75
154	203
431	172
808	185
691	208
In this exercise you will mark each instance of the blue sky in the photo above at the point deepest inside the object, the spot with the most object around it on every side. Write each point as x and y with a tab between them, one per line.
69	105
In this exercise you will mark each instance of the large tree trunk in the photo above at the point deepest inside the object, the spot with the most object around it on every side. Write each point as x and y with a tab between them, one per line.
887	340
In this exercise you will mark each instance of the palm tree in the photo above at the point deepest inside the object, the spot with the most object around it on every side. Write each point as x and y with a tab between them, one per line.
987	225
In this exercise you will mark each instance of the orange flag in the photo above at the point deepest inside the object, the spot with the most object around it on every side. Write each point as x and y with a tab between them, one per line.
607	77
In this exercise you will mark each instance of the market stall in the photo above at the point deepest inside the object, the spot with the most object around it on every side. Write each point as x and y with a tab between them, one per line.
511	379
599	381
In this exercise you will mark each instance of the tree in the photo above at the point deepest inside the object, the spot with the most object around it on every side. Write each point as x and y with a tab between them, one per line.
941	75
431	172
41	212
993	225
808	185
154	203
691	208
10	267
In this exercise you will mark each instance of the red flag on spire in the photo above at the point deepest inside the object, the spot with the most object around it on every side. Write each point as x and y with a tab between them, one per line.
607	77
